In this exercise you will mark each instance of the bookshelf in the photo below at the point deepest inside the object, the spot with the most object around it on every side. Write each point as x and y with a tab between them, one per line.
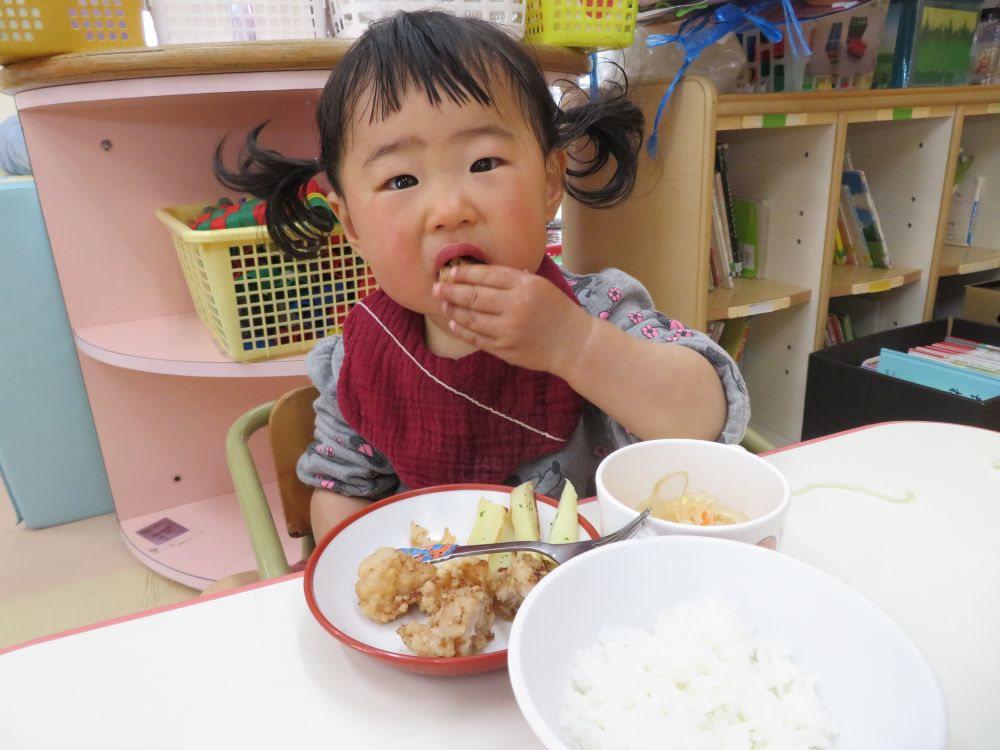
789	150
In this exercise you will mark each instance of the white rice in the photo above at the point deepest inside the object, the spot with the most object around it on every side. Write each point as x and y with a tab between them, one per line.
698	681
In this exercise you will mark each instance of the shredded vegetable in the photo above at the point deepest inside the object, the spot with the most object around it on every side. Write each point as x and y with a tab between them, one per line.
696	508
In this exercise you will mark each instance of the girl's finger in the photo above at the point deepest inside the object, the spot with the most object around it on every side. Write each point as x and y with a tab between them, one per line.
499	277
484	324
475	338
471	296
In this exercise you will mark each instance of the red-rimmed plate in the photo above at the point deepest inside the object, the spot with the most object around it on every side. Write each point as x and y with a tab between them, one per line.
332	571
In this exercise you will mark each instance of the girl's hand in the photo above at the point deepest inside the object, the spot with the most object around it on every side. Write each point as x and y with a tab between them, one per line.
515	315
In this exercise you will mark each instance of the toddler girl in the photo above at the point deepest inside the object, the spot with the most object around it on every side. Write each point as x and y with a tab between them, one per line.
479	359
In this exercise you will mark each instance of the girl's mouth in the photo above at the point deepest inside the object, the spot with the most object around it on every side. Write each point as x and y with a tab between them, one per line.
456	254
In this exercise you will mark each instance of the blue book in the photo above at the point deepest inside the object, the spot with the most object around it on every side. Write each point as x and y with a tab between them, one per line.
864	207
934	374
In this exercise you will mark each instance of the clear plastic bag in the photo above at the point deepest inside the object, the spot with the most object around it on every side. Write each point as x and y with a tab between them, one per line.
722	62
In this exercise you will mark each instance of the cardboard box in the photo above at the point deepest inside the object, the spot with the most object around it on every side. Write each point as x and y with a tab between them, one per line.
841	395
982	303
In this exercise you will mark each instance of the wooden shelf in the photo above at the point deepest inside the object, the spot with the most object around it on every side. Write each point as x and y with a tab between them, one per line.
806	102
849	280
957	260
796	109
887	114
174	345
774	120
753	297
215	543
219	57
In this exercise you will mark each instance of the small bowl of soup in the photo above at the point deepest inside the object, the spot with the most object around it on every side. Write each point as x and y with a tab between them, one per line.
694	487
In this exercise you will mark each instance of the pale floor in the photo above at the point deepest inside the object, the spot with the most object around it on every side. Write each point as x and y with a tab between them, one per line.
71	575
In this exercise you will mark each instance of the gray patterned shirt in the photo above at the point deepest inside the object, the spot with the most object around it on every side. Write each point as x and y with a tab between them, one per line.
341	460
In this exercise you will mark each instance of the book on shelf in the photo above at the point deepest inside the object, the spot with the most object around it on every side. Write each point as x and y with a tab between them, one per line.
847	326
839	248
750	224
864	207
714	329
725	229
830	337
962	165
943	376
838	329
719	255
863	311
722	171
734	338
855	246
962	212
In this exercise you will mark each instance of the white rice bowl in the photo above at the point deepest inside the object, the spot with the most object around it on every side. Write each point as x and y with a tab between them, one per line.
694	642
697	680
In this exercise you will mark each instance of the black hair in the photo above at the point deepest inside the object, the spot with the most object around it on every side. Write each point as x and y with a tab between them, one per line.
442	56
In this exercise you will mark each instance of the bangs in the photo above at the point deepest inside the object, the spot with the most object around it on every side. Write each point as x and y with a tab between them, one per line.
442	56
401	61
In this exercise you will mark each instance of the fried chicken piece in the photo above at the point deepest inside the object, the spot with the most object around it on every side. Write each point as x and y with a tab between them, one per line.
452	575
420	537
511	584
389	581
460	605
461	625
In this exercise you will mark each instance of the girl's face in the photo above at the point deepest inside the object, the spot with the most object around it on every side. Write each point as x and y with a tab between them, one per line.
431	183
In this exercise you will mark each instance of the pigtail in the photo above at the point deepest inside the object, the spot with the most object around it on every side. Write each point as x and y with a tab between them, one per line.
610	127
297	228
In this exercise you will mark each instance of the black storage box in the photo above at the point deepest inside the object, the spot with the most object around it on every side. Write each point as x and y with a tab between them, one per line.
840	394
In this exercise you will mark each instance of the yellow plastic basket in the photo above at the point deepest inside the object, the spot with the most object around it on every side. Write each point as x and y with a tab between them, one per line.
257	303
39	28
597	24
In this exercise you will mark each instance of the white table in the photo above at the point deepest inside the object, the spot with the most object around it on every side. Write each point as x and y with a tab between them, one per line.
932	564
252	669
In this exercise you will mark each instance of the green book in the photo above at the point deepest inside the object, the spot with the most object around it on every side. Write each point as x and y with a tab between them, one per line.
750	227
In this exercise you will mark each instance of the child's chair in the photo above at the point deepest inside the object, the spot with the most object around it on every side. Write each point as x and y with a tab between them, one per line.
754	442
290	423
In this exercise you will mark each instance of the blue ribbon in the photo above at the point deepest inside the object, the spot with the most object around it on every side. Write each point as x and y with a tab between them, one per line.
594	80
703	29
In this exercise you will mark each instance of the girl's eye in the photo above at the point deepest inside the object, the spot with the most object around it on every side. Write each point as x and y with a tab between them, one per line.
484	165
401	182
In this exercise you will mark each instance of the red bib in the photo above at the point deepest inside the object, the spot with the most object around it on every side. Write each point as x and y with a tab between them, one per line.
440	420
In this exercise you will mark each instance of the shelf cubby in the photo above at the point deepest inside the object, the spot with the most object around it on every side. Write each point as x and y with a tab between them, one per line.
789	167
907	163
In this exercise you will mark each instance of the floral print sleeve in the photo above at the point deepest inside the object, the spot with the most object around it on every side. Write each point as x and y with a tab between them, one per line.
340	459
620	299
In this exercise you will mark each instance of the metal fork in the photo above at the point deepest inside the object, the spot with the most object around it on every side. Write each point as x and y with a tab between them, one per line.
558	552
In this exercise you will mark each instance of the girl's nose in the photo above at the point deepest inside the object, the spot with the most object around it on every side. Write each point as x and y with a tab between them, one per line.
451	209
